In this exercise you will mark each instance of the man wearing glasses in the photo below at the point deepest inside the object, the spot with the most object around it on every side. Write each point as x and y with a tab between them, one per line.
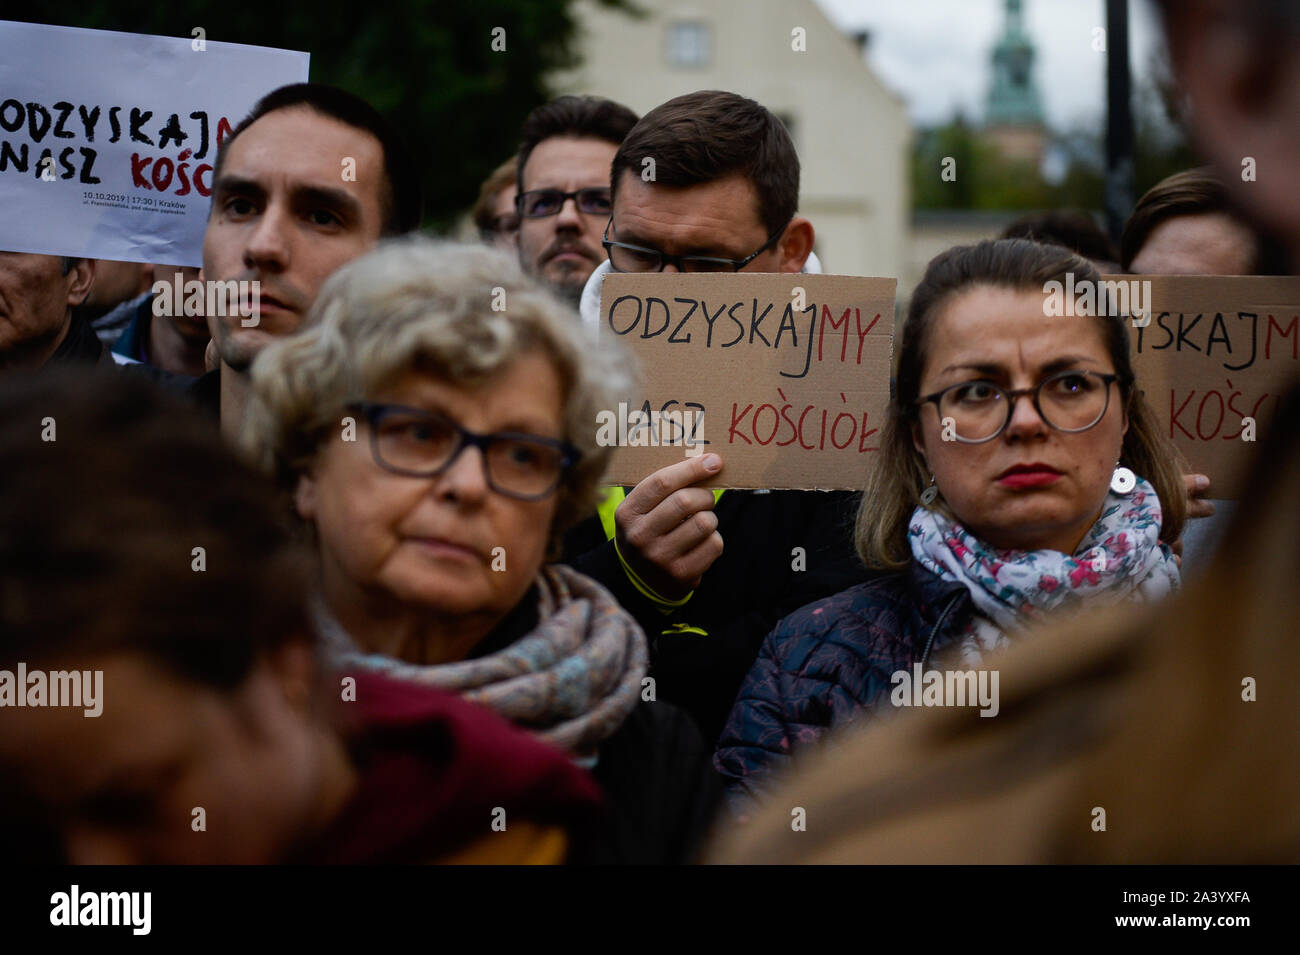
563	203
709	182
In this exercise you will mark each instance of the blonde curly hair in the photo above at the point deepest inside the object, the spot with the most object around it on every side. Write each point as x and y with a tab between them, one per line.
460	313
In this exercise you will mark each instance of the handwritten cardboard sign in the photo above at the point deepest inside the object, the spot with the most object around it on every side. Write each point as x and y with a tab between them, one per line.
107	140
786	375
1218	352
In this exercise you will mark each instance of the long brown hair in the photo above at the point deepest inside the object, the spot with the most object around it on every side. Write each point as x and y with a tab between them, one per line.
894	486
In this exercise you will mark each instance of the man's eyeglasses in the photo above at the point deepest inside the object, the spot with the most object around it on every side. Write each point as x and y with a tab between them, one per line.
637	258
1071	401
539	203
421	443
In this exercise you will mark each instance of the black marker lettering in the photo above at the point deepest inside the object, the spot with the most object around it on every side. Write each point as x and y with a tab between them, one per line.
672	338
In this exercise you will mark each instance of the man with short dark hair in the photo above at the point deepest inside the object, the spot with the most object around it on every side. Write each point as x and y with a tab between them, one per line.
37	326
723	197
309	181
711	174
563	203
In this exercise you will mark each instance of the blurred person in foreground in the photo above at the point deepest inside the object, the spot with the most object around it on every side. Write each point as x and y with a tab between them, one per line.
1236	62
437	447
212	733
1021	475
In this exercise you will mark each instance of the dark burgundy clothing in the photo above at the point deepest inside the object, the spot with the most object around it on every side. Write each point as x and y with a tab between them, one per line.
434	768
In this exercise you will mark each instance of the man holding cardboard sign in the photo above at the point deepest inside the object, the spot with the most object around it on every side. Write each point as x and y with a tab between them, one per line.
709	182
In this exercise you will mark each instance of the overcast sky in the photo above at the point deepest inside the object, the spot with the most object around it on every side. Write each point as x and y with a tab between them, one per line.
935	53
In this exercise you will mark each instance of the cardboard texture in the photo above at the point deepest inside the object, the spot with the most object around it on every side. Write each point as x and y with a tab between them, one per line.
785	375
1218	349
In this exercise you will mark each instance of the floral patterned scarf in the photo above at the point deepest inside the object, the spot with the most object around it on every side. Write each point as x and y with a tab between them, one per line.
1120	558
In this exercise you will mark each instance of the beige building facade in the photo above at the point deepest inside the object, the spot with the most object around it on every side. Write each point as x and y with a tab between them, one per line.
852	134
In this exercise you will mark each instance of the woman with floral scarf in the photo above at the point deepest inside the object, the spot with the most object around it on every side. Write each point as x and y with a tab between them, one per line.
1021	474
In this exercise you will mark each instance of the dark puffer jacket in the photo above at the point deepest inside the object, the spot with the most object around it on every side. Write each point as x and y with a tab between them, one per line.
829	663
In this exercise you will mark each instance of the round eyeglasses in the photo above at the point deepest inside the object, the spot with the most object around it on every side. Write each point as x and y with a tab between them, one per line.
979	411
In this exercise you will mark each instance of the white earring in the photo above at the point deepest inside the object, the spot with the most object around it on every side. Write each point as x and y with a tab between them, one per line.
930	493
1123	480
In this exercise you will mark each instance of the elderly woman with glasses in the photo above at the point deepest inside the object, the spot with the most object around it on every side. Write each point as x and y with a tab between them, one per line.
435	425
1021	474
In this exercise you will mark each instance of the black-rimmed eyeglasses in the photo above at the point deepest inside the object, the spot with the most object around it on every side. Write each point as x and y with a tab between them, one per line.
1069	401
540	203
624	257
420	443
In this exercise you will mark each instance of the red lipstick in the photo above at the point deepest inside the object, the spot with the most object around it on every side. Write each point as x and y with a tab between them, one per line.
1029	475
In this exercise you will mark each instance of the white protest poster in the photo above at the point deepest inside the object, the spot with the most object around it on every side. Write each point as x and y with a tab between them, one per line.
107	140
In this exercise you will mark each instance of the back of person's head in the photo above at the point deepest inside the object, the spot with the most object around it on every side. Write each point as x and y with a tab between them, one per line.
403	195
895	483
709	135
1193	192
107	489
582	117
1199	192
1072	228
144	579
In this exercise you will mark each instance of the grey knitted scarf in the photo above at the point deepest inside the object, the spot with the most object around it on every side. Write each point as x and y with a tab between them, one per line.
573	680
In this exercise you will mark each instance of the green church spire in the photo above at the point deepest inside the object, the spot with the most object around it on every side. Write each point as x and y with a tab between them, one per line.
1013	98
